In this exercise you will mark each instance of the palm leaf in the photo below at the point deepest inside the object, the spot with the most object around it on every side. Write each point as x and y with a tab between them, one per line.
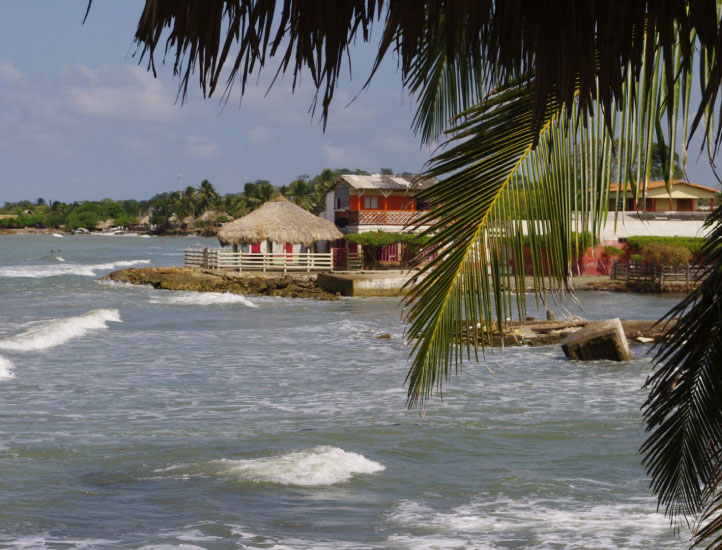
478	230
683	413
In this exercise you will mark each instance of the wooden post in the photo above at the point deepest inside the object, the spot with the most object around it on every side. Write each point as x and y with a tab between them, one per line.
205	258
686	276
661	278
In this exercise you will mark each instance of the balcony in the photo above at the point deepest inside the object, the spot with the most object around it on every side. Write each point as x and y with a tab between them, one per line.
380	217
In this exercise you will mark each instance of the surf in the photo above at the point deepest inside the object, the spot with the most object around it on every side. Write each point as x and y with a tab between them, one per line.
6	368
322	465
56	332
84	270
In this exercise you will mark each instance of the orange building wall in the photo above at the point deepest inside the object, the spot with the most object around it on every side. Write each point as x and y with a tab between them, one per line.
392	202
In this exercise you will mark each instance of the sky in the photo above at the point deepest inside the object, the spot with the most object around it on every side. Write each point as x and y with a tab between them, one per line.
81	120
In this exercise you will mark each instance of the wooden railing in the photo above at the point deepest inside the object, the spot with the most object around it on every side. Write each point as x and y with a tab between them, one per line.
655	274
217	258
384	217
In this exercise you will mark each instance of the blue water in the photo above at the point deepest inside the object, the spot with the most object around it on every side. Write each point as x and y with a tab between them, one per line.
140	418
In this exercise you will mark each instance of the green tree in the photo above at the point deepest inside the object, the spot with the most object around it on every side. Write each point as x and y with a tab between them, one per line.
208	197
300	193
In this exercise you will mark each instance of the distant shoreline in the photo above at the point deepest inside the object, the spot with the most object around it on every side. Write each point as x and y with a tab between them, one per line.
49	231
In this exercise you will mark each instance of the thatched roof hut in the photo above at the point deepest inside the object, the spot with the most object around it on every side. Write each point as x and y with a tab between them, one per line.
105	224
278	221
212	215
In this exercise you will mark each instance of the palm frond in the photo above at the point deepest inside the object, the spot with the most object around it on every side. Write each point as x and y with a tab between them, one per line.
580	53
683	411
479	230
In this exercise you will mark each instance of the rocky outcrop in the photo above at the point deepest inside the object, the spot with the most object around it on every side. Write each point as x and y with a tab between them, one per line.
206	280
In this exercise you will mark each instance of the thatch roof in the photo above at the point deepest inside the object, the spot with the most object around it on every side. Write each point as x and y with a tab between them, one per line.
105	224
209	215
279	221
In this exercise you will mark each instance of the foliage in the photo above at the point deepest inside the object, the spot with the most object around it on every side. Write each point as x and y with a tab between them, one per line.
683	414
613	251
664	254
383	238
636	244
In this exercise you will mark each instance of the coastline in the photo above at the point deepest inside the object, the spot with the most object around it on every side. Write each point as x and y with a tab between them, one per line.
294	285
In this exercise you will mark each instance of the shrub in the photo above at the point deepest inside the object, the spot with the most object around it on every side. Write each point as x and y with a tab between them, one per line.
635	258
664	254
613	251
637	243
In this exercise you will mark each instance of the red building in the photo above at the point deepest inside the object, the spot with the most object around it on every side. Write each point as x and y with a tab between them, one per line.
378	202
358	204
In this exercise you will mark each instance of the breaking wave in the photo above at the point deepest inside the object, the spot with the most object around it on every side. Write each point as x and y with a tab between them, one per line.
202	298
40	271
323	465
49	334
6	368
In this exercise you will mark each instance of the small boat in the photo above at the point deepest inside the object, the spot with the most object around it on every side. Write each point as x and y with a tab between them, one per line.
57	235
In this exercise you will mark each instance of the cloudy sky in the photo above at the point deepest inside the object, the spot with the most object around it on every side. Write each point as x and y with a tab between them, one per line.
79	119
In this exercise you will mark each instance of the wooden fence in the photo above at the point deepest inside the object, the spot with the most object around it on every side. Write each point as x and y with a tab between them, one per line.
654	274
217	258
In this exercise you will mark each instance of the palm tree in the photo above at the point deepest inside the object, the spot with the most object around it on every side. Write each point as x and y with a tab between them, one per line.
190	199
539	95
300	193
208	197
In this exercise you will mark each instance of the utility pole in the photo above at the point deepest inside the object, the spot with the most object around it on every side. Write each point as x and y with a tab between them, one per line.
180	186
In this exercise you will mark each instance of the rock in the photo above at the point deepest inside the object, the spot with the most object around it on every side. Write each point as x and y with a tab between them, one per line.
600	340
384	335
644	339
550	315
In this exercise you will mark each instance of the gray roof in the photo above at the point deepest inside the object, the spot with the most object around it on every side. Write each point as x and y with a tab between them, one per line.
403	182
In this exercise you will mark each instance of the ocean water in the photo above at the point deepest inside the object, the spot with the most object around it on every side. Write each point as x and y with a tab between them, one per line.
137	418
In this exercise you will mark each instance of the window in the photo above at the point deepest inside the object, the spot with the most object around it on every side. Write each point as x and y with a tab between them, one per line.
422	205
704	204
371	202
338	203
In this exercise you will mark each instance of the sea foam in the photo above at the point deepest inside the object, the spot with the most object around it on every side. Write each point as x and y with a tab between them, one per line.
323	465
49	334
202	298
86	270
6	368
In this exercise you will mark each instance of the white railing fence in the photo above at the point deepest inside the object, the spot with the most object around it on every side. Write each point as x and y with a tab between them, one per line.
217	258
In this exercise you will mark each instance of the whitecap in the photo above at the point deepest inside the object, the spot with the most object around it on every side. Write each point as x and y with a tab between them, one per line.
323	465
58	235
201	298
6	368
85	270
560	523
59	259
55	332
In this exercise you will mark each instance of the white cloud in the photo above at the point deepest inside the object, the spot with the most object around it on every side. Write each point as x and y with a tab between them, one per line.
202	147
8	73
346	156
120	93
259	134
